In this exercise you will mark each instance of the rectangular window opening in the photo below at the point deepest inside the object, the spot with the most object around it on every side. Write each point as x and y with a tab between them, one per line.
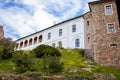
113	45
77	42
108	9
73	28
111	28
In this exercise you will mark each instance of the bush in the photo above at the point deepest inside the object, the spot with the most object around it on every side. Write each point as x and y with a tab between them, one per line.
52	64
6	54
23	60
1	50
45	50
81	51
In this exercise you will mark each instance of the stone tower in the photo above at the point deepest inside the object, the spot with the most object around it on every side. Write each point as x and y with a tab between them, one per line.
103	32
1	32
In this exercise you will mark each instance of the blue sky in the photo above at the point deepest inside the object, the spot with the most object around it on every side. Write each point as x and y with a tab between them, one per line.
20	18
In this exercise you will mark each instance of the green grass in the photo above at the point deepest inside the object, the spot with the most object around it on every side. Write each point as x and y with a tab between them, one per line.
7	65
72	61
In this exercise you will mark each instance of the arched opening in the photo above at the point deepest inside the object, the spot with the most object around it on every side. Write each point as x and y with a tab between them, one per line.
35	40
60	44
53	44
40	38
21	44
25	44
30	41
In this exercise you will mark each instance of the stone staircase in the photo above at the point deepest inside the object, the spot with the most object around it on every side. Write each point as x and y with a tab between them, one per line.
89	53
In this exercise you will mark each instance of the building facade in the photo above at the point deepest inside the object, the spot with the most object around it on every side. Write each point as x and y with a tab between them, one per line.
1	32
97	30
67	34
103	32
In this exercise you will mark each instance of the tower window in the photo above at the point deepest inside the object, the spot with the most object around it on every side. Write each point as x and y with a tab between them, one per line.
108	9
88	23
113	45
111	28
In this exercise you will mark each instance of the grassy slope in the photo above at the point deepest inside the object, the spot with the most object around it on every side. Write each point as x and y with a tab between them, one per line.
72	61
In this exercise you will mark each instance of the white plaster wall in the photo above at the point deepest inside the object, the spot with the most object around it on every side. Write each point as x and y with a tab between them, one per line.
67	38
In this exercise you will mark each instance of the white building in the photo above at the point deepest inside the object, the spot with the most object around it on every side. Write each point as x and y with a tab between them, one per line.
67	34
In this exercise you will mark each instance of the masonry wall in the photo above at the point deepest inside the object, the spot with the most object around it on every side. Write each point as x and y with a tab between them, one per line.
103	53
1	32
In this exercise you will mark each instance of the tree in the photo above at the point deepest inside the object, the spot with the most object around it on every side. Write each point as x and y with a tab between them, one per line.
7	46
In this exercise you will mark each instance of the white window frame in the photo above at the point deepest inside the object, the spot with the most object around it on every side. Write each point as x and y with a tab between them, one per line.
108	28
106	10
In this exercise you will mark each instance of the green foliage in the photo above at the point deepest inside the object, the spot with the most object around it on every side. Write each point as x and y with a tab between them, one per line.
1	50
80	51
52	64
6	54
81	74
45	50
23	60
109	70
33	74
7	48
7	65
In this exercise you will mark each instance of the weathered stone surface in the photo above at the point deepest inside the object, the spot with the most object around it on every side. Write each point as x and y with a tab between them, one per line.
97	36
105	76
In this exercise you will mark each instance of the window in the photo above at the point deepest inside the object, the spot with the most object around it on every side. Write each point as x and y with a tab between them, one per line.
73	28
49	35
77	42
108	9
88	39
113	45
111	28
53	44
60	44
88	23
60	32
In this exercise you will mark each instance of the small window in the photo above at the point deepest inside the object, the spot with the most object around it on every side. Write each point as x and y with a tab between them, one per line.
60	44
88	39
113	45
49	35
60	32
53	44
111	28
88	23
77	42
73	28
108	9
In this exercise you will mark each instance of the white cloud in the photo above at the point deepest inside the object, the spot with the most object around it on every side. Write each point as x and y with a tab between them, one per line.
34	15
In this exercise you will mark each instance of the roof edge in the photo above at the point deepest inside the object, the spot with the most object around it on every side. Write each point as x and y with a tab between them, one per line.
51	26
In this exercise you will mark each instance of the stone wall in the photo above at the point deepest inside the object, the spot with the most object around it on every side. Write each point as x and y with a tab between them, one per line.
102	39
1	32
